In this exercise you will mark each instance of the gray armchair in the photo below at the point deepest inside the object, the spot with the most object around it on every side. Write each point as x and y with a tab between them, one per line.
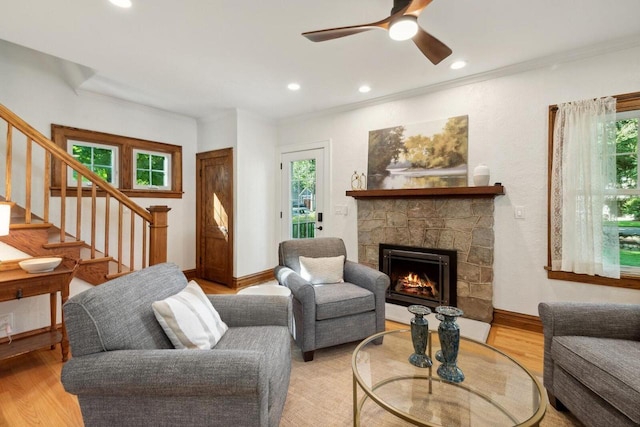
125	370
331	314
592	361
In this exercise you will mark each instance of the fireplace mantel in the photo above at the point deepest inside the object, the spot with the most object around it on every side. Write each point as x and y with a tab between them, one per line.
416	193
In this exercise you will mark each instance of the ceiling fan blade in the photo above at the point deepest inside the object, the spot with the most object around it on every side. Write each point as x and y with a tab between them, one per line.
336	33
416	7
431	47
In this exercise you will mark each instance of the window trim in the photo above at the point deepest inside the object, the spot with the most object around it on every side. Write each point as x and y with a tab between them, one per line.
624	102
124	163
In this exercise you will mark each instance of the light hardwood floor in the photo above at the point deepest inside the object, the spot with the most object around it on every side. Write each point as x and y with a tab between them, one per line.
31	393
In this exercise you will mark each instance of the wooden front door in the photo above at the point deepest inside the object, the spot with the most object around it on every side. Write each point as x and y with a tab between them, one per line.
214	215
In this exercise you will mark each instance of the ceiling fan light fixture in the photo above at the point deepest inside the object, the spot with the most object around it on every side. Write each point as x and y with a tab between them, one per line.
403	28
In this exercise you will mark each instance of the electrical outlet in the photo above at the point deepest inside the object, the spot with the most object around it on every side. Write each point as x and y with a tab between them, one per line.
5	319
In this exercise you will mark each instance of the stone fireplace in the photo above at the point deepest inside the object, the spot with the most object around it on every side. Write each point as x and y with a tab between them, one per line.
461	223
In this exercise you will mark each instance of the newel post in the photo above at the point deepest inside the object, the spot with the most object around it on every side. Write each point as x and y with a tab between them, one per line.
158	234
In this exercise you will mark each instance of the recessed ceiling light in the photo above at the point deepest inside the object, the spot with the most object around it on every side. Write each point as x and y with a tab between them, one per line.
121	3
364	89
293	86
457	65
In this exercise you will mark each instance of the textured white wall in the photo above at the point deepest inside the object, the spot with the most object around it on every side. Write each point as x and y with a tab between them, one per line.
257	180
508	132
218	131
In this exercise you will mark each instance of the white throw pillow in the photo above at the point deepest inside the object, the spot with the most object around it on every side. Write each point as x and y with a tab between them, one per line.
189	319
322	270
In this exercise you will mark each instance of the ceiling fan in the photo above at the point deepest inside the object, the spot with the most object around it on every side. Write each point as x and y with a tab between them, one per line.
402	24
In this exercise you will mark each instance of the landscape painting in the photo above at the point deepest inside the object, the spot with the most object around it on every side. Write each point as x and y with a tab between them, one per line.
423	155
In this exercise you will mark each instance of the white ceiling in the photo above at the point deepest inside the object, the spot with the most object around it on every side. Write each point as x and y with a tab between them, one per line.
196	57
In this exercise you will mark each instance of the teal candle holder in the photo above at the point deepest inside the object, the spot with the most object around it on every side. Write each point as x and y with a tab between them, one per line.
420	336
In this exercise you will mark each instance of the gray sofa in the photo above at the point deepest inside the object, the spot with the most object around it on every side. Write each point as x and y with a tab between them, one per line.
125	370
331	314
592	361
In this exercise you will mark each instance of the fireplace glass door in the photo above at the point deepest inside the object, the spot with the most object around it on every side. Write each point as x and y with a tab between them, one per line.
419	275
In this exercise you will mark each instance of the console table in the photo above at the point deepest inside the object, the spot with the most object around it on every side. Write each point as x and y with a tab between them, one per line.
16	283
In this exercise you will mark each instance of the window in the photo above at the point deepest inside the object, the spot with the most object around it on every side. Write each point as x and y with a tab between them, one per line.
152	170
626	200
98	158
139	168
628	190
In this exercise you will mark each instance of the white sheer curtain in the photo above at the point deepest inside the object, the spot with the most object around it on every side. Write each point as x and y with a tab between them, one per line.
583	179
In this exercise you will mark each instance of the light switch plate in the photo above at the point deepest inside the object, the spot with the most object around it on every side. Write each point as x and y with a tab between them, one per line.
341	209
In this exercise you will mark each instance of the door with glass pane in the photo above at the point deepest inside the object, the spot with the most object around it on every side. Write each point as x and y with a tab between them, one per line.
302	194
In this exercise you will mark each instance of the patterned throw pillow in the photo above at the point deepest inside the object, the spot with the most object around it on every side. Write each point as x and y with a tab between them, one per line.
189	319
322	270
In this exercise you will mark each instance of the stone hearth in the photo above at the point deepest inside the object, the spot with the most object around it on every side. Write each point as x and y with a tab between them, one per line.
461	224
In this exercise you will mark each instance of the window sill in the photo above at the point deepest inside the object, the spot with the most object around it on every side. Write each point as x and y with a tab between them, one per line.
138	193
629	282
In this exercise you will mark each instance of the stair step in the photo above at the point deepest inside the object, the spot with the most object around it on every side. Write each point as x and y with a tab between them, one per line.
31	226
94	270
96	260
69	244
116	275
40	238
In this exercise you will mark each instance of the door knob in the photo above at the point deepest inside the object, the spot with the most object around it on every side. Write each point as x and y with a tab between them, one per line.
319	228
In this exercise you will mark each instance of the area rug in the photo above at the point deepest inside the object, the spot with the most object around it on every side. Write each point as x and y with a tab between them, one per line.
469	328
320	395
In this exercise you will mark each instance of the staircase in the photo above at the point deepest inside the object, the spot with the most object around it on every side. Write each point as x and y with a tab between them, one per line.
108	233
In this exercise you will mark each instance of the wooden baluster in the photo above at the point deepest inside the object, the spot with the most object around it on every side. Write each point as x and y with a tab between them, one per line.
47	184
27	204
132	241
120	238
7	180
78	206
63	202
107	211
93	220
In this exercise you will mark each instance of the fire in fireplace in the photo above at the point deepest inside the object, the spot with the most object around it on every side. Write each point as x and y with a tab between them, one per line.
413	284
418	275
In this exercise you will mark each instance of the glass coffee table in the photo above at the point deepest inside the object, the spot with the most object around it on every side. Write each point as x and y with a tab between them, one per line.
389	391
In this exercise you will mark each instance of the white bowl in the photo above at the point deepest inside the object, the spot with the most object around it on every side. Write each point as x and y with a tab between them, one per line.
40	265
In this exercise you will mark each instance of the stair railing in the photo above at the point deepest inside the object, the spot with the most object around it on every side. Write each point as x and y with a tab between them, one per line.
133	243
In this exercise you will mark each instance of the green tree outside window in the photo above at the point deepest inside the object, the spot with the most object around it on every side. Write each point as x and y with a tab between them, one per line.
627	185
151	170
96	159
